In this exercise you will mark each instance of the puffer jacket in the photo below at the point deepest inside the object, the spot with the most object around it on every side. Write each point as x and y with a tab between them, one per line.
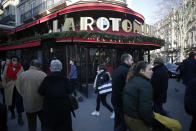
101	79
137	99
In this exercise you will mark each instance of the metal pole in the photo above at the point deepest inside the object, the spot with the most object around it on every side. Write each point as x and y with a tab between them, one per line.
87	50
148	56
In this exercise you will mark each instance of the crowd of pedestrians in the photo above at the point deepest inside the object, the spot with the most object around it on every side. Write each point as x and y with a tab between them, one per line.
138	90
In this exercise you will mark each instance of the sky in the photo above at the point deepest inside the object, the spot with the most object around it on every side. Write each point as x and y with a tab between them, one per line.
147	8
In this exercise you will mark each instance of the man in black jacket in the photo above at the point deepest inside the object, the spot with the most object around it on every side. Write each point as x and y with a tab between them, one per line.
190	102
118	83
159	82
188	68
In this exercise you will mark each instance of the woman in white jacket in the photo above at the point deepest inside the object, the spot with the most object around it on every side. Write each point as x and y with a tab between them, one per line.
101	77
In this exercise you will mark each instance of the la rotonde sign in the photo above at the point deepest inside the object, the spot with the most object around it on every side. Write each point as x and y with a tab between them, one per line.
103	24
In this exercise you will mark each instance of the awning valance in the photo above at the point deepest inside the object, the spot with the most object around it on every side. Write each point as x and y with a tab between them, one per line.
22	45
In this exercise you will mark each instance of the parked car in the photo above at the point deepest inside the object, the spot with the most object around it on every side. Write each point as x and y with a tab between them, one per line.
172	70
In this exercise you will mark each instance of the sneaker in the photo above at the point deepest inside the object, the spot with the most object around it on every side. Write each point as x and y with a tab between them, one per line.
112	115
95	113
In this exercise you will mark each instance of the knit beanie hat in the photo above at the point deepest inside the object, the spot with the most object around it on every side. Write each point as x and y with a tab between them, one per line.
55	66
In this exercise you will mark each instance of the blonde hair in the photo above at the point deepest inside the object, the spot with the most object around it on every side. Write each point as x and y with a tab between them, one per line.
135	69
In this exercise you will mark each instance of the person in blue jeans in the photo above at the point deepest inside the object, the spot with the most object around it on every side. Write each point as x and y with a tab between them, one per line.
73	76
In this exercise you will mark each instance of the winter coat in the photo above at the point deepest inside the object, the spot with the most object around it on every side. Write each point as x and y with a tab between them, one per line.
159	82
118	83
101	79
188	70
9	85
73	73
29	82
137	99
56	107
190	97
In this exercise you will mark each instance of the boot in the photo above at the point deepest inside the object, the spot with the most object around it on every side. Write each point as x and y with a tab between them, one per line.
13	116
20	120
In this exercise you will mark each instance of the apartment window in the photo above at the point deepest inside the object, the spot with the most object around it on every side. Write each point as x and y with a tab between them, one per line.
194	36
193	3
32	6
49	3
7	11
22	10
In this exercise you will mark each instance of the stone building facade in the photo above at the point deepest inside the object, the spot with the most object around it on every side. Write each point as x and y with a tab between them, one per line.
178	29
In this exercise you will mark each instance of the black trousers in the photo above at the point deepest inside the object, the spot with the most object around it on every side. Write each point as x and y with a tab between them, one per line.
119	121
102	99
193	124
31	118
3	117
2	92
158	107
16	102
73	83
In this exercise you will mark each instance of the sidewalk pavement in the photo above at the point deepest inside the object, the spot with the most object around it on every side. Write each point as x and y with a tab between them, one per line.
84	121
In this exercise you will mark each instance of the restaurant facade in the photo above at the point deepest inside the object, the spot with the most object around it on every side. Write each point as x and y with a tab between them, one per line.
92	33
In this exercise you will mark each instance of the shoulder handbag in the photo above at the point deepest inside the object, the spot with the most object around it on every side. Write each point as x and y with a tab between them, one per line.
106	88
73	104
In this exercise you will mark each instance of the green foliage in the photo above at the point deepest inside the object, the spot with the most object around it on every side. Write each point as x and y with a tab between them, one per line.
84	34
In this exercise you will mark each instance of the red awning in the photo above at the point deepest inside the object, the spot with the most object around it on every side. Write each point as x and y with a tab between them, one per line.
22	45
108	42
43	19
82	7
32	23
48	17
11	32
101	6
27	25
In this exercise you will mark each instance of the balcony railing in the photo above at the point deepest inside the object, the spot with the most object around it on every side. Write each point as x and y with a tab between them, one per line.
49	4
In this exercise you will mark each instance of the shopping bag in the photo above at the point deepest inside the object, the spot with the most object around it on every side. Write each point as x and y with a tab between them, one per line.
170	123
105	88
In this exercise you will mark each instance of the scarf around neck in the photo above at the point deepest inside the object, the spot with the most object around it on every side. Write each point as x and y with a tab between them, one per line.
12	71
